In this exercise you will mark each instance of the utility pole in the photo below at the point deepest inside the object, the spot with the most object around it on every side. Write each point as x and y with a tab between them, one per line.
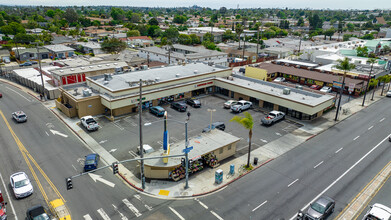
186	157
244	44
140	109
257	41
340	95
369	78
211	113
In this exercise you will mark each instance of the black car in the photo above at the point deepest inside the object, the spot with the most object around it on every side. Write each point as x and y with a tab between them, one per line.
179	106
218	125
196	103
37	212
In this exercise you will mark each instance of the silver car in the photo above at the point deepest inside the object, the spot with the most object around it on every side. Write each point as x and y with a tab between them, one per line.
321	208
21	185
229	103
19	116
273	117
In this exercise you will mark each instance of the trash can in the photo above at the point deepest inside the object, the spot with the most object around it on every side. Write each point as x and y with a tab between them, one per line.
255	160
232	169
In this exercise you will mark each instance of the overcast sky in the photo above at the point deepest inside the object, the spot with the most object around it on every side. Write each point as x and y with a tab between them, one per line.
315	4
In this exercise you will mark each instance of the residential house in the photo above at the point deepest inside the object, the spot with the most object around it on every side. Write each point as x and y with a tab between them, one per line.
379	20
89	47
59	51
32	54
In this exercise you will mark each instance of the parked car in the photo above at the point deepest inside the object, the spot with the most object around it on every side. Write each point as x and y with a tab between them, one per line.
229	103
19	116
218	125
378	211
25	64
89	123
242	70
157	110
279	79
321	208
326	89
388	94
146	149
91	162
273	117
195	103
179	106
21	185
37	213
242	105
32	61
316	87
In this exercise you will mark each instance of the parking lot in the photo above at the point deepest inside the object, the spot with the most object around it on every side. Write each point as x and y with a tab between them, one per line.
121	137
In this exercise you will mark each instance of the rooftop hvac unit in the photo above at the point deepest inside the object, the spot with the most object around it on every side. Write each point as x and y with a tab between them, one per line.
157	79
144	67
87	92
286	91
177	75
195	71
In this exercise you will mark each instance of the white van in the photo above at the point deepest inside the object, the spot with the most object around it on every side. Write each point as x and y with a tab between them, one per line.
378	212
147	149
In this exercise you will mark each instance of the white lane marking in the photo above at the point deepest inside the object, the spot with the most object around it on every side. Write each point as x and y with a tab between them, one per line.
103	214
382	119
54	132
264	141
174	139
318	164
216	215
74	167
263	203
356	138
290	184
112	150
47	133
87	217
131	207
8	195
118	126
123	217
278	134
160	142
19	94
133	153
202	204
338	150
102	142
340	177
148	207
370	127
176	213
99	178
137	197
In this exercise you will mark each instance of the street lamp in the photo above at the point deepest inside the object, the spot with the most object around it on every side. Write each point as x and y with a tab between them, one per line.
186	146
211	112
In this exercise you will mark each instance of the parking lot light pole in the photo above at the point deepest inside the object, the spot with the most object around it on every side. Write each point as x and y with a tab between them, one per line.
211	112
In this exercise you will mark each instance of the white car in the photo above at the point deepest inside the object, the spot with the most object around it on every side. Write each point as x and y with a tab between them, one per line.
325	89
388	93
279	79
21	185
229	103
273	117
89	123
241	106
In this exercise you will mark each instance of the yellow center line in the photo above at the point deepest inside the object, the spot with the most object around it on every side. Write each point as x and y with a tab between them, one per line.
26	155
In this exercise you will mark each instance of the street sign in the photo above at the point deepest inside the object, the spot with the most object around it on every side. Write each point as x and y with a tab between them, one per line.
337	85
187	150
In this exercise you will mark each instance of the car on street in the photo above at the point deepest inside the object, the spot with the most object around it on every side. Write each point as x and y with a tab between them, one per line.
89	123
316	87
19	116
273	117
157	110
179	106
195	103
25	64
229	103
32	61
321	208
37	212
326	89
215	125
91	162
21	185
378	211
279	79
241	105
388	94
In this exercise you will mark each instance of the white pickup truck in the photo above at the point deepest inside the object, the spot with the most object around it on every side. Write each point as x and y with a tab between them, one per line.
378	211
273	117
241	106
89	123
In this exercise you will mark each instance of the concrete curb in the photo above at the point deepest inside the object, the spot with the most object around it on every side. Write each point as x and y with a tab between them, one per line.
131	184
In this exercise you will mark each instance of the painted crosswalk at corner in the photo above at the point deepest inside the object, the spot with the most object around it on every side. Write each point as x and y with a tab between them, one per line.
132	207
87	217
103	214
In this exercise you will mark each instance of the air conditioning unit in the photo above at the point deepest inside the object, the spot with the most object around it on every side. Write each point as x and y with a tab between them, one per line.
299	87
87	92
286	91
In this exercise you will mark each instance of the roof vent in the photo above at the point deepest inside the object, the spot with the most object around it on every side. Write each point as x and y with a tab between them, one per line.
99	65
61	71
107	64
115	64
72	69
82	68
195	71
286	91
177	75
91	67
157	79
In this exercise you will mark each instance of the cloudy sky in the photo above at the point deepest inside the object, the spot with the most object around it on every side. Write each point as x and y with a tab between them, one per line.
315	4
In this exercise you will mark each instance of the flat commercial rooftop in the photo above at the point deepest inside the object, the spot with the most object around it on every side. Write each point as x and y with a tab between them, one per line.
202	144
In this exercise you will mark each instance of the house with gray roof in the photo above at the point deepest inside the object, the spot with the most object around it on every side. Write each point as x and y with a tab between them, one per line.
59	51
32	54
89	47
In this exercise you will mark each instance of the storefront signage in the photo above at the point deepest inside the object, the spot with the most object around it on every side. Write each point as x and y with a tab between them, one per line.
203	84
351	87
337	85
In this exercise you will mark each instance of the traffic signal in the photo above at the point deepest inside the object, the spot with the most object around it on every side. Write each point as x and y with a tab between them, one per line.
69	183
115	168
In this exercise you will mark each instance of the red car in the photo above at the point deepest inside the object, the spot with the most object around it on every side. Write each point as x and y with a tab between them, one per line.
316	87
1	95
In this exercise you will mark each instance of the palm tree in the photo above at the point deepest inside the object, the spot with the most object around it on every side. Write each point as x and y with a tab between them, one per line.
346	66
239	30
373	83
384	79
247	122
371	61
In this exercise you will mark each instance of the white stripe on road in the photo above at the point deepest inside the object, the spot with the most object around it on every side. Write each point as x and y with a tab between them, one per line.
264	141
216	215
338	150
370	127
290	184
19	94
318	164
206	207
103	214
87	217
123	217
118	126
382	119
131	207
340	177
176	213
263	203
8	195
356	138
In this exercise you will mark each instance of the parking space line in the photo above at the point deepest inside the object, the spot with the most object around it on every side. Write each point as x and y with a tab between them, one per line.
370	127
176	213
118	126
264	141
87	217
216	215
382	119
263	203
202	204
339	150
132	207
133	153
356	138
318	164
278	134
290	184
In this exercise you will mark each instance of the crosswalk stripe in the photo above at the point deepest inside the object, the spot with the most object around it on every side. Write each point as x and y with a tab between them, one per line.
131	207
103	214
87	217
176	213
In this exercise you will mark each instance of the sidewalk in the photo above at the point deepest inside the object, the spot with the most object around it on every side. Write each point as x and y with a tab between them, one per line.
204	182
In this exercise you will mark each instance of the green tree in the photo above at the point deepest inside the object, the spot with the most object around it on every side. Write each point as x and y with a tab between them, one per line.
171	34
208	37
300	22
184	39
239	30
228	35
179	19
315	22
113	45
386	49
135	18
12	29
350	27
24	38
153	21
345	66
248	123
362	51
329	33
373	83
50	13
70	15
133	33
194	39
346	37
117	14
384	79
